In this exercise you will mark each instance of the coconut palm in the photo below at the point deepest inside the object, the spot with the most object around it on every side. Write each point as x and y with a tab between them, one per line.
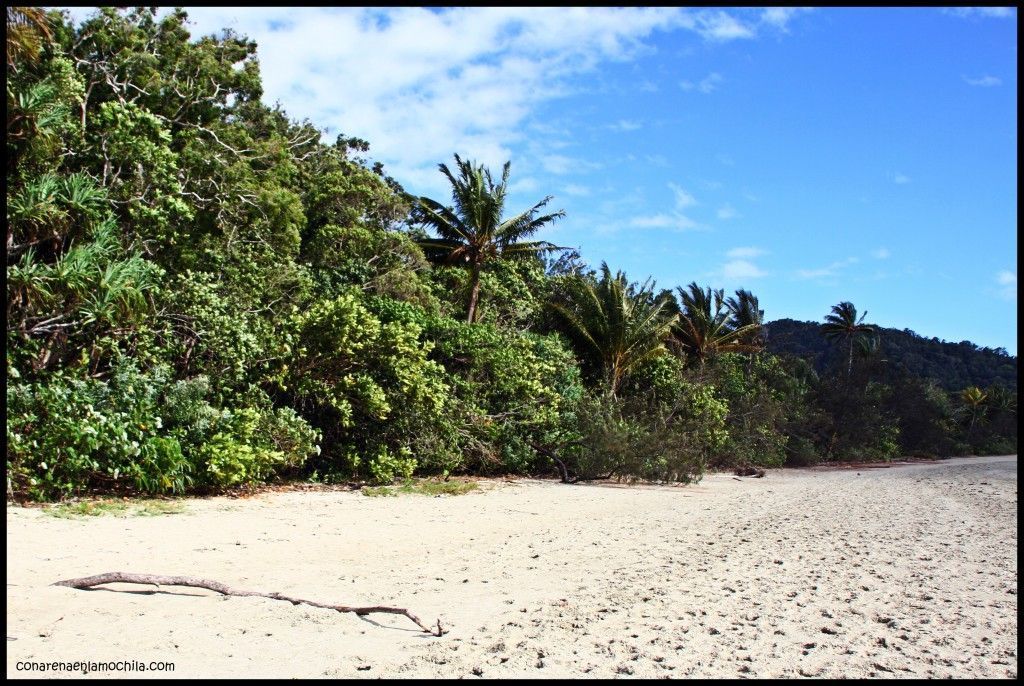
27	28
746	312
844	325
706	326
615	323
472	233
868	347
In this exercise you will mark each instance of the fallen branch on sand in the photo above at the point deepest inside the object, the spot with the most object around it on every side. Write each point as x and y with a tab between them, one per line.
87	582
749	471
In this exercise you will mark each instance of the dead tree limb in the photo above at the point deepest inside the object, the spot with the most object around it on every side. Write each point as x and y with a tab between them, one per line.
87	582
563	469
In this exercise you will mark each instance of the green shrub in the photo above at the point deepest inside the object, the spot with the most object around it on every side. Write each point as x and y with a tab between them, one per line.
141	431
66	435
510	390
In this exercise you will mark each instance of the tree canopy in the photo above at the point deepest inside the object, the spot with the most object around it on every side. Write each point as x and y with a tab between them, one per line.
204	293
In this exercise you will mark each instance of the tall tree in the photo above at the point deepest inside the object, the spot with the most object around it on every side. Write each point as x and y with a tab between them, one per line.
746	312
473	233
707	326
843	325
617	324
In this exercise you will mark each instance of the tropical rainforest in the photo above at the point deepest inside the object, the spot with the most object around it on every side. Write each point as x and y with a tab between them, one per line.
203	294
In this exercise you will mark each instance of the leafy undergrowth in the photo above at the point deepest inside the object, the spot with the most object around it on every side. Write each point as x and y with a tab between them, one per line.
119	508
432	488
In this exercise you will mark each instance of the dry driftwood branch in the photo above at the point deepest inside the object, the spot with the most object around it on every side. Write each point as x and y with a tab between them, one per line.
87	582
749	471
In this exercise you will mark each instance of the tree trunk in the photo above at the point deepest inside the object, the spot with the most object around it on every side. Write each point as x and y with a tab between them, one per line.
474	293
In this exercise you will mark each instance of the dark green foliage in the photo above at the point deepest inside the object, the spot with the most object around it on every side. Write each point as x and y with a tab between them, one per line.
924	416
644	437
763	402
509	391
953	366
202	294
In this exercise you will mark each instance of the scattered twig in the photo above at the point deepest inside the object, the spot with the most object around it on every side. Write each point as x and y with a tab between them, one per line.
87	582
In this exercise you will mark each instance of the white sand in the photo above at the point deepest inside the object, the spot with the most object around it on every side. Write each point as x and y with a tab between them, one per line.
908	571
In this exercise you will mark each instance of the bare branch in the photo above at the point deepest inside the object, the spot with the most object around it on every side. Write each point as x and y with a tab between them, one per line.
88	582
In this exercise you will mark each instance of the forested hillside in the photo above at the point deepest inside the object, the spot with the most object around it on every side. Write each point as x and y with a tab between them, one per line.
953	366
203	293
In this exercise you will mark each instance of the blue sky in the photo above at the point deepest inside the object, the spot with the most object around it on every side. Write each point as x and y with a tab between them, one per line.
809	155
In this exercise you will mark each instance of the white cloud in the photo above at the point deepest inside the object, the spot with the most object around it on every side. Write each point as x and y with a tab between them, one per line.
727	212
625	125
683	199
747	253
560	164
830	271
576	189
881	254
900	179
657	221
523	184
820	273
779	17
984	81
740	265
741	269
974	12
676	221
721	26
1007	281
420	84
706	85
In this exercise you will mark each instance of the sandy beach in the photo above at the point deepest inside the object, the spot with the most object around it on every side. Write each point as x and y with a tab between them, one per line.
909	571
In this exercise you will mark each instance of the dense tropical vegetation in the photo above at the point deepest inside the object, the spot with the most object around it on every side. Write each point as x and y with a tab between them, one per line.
202	294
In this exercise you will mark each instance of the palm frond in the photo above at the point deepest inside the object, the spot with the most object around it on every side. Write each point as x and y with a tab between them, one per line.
622	325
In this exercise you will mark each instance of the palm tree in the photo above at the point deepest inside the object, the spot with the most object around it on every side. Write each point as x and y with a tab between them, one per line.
869	347
747	312
745	309
617	323
707	326
473	233
843	325
27	28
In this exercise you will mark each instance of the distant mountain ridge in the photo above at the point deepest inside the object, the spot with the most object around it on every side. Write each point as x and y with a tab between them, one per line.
954	366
